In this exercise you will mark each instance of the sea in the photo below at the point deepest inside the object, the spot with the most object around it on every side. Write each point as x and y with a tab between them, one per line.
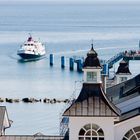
66	29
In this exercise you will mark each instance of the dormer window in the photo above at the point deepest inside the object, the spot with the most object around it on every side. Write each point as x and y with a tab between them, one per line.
92	77
122	79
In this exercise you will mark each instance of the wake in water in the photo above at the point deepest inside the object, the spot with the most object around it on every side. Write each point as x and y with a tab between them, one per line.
13	56
86	50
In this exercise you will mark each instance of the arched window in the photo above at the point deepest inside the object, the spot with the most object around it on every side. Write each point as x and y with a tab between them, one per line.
91	132
133	134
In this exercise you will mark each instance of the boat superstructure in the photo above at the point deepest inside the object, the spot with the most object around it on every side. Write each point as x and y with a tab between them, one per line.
31	49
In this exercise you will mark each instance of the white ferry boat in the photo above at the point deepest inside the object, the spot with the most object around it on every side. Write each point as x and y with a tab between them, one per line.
31	50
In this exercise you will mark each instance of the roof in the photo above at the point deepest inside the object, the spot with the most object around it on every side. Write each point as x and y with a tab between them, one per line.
3	112
130	114
92	59
92	101
124	89
123	68
31	137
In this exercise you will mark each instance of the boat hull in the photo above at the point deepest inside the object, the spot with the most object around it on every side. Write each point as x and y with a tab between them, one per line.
30	56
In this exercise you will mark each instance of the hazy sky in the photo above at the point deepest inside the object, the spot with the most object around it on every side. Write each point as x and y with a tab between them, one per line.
77	0
73	1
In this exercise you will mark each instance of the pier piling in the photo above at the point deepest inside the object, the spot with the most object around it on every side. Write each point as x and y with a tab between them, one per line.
71	63
105	70
51	59
62	62
79	65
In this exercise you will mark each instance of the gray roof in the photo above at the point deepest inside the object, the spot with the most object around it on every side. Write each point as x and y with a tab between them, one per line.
92	101
130	114
124	90
126	96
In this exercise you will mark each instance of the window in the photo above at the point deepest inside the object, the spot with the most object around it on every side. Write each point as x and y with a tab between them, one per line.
91	132
91	76
123	79
132	134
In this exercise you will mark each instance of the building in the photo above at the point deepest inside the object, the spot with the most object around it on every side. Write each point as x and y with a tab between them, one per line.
4	120
126	96
123	73
99	114
96	115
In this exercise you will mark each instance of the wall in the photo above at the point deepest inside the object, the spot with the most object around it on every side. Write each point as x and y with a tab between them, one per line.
92	70
118	76
122	128
106	123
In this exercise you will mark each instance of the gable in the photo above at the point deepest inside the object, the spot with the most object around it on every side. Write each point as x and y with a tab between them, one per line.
93	106
92	102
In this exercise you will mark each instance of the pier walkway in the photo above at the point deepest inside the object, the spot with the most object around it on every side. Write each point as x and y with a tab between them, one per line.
131	55
115	59
126	56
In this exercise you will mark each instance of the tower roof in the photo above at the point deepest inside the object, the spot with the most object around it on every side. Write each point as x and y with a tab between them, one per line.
123	68
92	101
92	59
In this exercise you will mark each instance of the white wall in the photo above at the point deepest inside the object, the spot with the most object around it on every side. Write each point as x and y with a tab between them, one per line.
92	70
122	128
118	76
106	123
5	123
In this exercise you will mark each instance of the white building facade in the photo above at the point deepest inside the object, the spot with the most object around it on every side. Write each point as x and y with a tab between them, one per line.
92	116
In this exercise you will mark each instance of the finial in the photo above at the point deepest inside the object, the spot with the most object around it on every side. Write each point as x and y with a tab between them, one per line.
92	51
92	44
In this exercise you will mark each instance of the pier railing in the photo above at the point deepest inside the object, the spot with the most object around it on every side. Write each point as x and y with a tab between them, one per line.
63	119
115	59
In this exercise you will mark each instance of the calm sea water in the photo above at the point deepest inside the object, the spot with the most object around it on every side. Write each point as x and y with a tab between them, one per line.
66	29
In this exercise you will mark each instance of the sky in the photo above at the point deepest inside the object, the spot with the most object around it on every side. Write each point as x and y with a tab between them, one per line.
74	0
71	1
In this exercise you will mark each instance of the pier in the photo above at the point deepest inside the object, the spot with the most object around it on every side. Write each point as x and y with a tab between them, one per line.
115	59
126	56
131	55
72	61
